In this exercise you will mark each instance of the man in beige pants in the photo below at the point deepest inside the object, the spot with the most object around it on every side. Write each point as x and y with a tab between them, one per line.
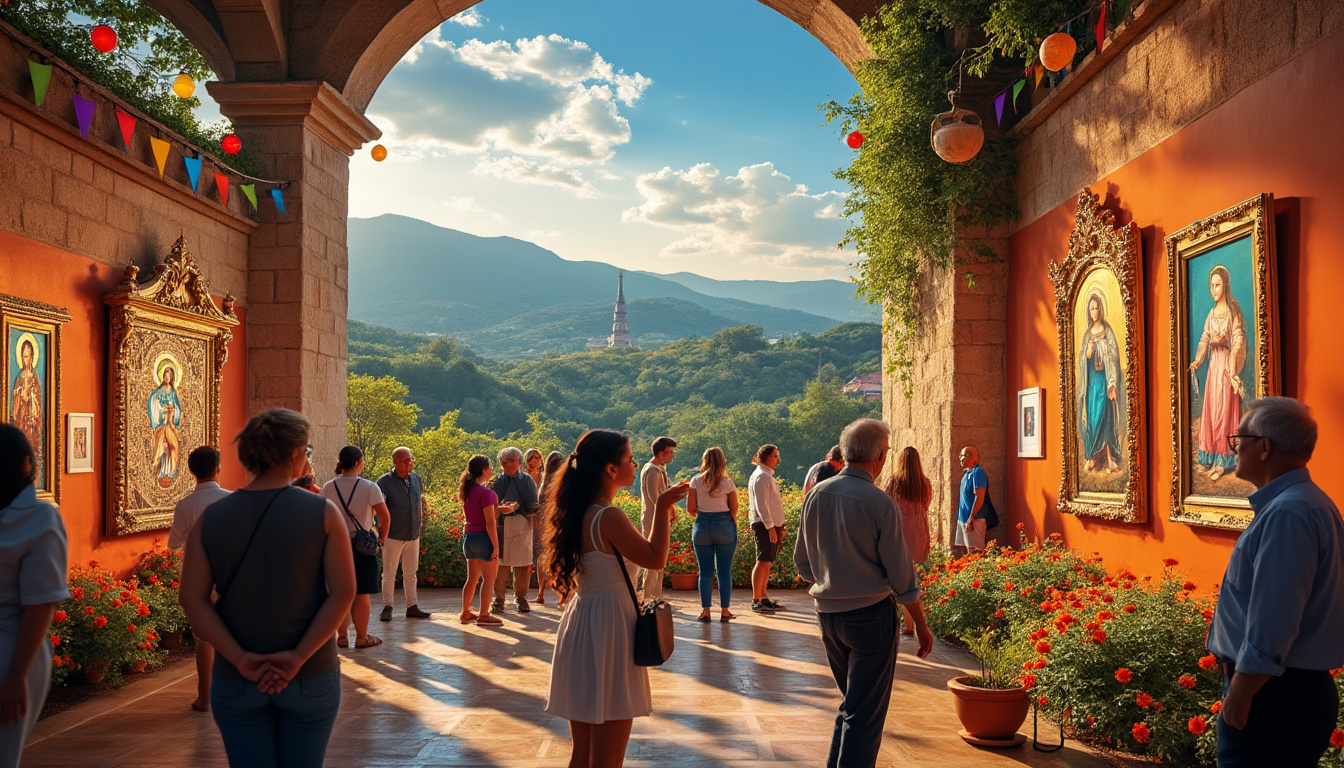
652	482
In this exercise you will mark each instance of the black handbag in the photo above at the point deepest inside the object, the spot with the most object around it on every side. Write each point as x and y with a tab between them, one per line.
653	625
364	541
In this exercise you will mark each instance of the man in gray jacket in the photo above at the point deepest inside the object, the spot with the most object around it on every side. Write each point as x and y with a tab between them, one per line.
851	548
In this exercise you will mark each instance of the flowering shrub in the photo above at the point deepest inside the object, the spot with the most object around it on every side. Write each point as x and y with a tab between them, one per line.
158	572
160	565
104	621
681	559
441	561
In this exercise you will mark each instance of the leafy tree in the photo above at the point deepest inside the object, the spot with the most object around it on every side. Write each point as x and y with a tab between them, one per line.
378	419
822	413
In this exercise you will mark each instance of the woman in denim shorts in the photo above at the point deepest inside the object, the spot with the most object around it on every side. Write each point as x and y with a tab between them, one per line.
480	545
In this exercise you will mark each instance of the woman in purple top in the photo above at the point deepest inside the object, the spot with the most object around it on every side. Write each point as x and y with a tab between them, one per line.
480	545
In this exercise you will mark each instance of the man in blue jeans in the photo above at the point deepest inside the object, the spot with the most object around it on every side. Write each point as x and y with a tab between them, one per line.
851	548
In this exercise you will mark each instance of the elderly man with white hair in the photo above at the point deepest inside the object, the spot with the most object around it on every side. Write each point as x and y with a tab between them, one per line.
851	547
1279	626
518	506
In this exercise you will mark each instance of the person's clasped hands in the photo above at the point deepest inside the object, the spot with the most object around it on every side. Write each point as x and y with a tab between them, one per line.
271	671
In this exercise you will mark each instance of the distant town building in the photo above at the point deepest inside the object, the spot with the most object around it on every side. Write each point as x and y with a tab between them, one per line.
620	331
868	386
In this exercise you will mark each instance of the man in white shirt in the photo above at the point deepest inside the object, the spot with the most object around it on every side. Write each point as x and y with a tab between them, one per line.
652	482
204	465
767	525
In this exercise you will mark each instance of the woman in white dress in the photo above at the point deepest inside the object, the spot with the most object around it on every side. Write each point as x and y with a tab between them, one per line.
33	554
594	681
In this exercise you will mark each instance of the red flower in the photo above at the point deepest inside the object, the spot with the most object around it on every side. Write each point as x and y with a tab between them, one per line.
1010	586
55	641
143	612
1216	707
1207	663
55	661
951	593
1186	681
1021	527
116	603
100	622
1028	680
1131	608
58	617
1188	586
975	584
88	610
125	595
173	584
153	579
1141	733
1123	675
1107	599
1197	725
1143	700
1337	739
1170	562
130	627
1099	636
1092	721
999	614
77	593
1042	647
1042	701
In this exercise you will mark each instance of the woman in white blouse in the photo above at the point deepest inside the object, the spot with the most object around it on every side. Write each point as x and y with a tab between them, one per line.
359	500
713	504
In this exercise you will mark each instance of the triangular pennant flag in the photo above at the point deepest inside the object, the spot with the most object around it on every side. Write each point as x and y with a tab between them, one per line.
222	186
193	170
998	107
1017	88
1038	70
160	148
41	79
250	192
84	114
127	123
279	200
1101	26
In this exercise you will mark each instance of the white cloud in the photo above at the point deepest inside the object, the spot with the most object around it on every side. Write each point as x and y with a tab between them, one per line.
469	18
463	204
758	215
525	171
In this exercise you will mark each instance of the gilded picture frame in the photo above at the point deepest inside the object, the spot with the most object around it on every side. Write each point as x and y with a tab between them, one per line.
1222	280
30	334
1099	286
169	342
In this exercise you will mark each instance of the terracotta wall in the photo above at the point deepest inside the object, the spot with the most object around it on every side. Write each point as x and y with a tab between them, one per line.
33	270
1279	135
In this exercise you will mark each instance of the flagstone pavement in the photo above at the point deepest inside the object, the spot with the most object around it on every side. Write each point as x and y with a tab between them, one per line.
754	691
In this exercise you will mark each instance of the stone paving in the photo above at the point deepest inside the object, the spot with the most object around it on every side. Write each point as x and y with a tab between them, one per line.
754	691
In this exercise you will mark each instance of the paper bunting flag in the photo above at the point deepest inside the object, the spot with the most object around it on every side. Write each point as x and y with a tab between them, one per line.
41	79
127	123
998	107
1017	88
279	200
193	170
222	186
250	192
1101	26
84	114
1038	70
160	148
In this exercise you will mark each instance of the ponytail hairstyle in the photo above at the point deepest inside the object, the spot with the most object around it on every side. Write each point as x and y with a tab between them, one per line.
271	438
476	466
713	467
14	447
350	456
577	486
763	453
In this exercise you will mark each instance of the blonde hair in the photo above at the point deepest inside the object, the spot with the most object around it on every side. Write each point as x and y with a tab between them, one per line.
713	468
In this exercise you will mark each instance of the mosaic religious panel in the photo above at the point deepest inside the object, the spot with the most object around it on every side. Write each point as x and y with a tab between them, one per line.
1099	314
169	343
30	336
1224	353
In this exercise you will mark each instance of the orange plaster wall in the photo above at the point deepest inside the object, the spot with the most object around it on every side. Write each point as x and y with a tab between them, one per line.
32	270
1280	135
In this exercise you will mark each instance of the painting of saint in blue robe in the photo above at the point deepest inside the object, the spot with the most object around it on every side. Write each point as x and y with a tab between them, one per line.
165	419
1100	399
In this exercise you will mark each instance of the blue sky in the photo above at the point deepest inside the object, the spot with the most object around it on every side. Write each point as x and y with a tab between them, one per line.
662	136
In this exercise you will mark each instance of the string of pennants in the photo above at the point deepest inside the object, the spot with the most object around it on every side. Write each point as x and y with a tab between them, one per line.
1036	71
85	109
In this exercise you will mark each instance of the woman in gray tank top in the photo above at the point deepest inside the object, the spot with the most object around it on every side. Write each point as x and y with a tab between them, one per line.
281	562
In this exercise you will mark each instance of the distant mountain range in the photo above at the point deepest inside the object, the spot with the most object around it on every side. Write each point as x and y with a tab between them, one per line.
509	298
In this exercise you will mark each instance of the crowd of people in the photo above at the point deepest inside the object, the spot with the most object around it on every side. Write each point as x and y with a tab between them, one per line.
275	573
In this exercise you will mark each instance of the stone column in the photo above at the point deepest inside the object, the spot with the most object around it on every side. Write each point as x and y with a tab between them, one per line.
959	392
303	133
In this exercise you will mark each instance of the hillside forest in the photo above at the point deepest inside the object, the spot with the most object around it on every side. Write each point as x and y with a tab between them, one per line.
736	390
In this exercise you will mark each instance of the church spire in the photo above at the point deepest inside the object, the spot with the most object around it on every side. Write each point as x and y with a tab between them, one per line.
620	331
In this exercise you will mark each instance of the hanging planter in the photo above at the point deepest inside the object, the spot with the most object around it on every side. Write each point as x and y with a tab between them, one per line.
956	135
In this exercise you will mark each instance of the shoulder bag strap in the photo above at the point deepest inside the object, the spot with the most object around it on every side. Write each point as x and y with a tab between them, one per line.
628	585
223	587
346	504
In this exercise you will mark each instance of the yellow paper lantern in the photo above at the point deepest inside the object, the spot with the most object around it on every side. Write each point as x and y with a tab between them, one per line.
1057	51
184	86
956	135
379	153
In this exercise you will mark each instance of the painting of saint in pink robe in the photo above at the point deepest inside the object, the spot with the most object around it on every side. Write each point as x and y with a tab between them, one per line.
1223	345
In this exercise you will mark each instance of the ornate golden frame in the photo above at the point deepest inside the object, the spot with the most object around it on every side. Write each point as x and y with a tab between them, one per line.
1253	217
1095	244
173	310
39	317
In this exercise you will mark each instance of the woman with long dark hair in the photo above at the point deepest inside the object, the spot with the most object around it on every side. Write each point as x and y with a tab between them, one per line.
480	542
910	488
713	504
33	554
594	681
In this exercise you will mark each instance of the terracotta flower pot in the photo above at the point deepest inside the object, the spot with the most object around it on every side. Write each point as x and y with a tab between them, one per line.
170	640
684	580
989	716
92	672
136	667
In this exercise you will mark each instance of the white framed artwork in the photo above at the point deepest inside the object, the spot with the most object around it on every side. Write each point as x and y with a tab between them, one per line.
79	443
1030	423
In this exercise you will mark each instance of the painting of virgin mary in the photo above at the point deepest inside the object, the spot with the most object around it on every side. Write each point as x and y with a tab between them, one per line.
165	419
1100	398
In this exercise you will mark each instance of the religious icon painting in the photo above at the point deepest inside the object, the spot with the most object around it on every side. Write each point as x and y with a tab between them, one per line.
1099	314
1029	443
1224	353
79	443
169	343
31	334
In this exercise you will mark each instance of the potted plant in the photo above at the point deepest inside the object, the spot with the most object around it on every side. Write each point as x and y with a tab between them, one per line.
104	628
681	566
992	705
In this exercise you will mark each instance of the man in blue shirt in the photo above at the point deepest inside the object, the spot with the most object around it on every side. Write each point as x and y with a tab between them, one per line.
1279	625
970	533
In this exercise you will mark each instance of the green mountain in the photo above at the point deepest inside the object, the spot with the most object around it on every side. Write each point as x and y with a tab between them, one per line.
832	298
413	276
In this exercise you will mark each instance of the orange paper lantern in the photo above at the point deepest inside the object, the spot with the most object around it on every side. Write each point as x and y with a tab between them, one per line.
379	153
1057	51
184	86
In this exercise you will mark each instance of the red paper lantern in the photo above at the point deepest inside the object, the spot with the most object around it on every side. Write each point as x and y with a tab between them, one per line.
231	144
854	140
104	38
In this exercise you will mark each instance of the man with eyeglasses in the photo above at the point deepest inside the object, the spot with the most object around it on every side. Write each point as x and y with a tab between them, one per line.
1280	618
405	495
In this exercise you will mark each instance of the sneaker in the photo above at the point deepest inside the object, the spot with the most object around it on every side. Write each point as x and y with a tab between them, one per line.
386	615
776	606
414	612
523	607
497	605
762	606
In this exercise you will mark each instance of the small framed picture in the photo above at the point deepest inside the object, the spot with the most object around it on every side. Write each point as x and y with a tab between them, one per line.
79	442
1029	423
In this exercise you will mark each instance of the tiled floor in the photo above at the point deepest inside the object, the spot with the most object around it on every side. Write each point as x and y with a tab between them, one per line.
756	691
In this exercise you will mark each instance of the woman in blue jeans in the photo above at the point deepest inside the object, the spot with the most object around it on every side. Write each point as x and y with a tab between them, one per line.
280	559
713	504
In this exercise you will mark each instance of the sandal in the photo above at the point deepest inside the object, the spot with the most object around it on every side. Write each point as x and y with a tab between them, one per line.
488	620
468	618
726	616
704	616
369	642
342	641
